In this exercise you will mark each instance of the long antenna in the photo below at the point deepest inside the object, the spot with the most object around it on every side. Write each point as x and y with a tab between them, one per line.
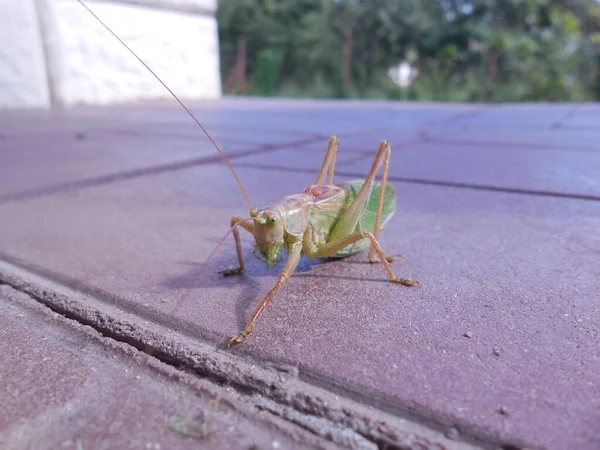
178	101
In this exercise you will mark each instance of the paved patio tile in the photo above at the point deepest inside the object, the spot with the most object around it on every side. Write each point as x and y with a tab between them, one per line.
525	115
352	148
73	150
585	116
567	139
562	172
64	386
333	117
89	147
144	240
518	272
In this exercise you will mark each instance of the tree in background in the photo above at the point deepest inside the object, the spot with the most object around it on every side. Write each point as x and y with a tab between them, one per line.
489	50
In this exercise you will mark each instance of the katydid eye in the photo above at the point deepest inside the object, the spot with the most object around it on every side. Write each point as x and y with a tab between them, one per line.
272	220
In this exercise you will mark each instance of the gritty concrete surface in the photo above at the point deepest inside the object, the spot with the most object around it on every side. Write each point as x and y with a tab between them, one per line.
498	216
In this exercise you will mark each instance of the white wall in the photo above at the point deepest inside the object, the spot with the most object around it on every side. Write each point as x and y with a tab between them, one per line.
53	52
23	78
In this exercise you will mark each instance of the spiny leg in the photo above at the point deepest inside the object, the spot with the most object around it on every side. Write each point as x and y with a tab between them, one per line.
238	244
349	220
285	274
328	165
331	248
384	177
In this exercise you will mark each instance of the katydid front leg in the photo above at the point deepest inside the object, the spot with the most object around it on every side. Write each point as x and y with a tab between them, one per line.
286	273
249	226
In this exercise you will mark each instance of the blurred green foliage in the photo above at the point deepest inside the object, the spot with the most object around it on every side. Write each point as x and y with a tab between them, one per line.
486	50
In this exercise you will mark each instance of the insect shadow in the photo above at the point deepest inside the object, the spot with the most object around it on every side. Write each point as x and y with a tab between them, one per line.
200	276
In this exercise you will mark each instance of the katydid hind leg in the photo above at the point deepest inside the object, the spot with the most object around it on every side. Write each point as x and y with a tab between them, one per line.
344	232
383	185
328	166
286	273
238	244
350	218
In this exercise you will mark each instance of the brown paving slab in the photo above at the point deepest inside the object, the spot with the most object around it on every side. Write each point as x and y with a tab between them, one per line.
292	117
83	149
91	147
95	146
309	157
65	386
549	138
338	116
563	127
516	271
350	118
502	167
524	115
585	116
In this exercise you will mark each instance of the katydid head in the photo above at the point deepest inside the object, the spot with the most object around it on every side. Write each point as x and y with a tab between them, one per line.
269	233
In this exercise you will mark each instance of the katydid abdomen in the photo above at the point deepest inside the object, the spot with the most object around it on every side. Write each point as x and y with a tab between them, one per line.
325	212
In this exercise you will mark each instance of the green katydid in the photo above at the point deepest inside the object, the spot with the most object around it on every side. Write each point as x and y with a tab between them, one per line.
325	220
